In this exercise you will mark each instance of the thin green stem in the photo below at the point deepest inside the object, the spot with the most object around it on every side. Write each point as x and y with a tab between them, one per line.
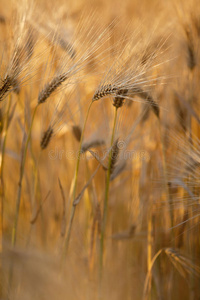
66	244
23	161
2	165
36	191
22	166
105	209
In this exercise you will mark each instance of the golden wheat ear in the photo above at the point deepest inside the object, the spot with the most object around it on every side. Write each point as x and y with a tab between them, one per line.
21	59
86	42
51	87
133	73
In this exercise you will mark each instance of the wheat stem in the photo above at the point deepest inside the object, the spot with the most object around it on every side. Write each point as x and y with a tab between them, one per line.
24	152
2	168
105	209
66	244
22	166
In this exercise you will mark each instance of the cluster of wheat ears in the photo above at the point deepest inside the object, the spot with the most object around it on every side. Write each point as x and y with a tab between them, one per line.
99	161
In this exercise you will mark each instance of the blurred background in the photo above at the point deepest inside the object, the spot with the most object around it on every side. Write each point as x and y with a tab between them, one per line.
66	52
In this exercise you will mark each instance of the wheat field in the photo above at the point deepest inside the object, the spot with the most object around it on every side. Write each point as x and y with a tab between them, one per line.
100	150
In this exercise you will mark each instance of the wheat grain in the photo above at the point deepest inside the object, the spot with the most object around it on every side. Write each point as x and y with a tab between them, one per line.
46	138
